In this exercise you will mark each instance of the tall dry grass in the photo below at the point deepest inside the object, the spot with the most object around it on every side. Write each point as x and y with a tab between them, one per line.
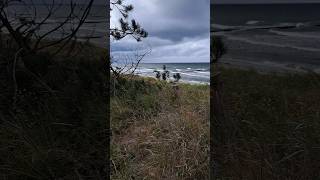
271	128
165	136
59	134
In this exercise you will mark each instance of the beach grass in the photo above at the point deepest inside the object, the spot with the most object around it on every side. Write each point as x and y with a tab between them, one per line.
54	127
158	132
271	128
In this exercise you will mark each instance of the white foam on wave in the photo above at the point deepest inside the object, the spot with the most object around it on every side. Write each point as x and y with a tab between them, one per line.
145	70
252	25
195	75
285	24
296	34
203	72
270	66
201	69
317	70
251	22
182	80
299	25
224	27
235	38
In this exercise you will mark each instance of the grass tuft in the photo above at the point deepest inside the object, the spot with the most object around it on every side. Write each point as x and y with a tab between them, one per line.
157	134
272	127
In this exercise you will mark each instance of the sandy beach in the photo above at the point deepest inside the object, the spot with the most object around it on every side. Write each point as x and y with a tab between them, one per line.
273	50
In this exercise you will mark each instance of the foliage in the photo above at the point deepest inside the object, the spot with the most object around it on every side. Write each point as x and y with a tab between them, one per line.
157	136
126	28
217	47
53	98
57	134
29	32
177	77
271	126
164	74
158	74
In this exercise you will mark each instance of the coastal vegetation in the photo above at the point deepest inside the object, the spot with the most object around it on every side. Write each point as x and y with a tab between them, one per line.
158	133
53	97
160	129
270	125
54	126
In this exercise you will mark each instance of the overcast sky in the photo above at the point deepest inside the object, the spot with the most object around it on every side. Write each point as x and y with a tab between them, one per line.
263	1
178	30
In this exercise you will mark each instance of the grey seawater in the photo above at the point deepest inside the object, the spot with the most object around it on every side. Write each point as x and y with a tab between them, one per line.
95	26
274	37
198	73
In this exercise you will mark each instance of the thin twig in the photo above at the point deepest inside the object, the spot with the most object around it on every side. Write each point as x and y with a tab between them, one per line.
15	85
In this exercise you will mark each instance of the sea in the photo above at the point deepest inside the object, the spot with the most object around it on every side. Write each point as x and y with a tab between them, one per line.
269	37
192	73
94	30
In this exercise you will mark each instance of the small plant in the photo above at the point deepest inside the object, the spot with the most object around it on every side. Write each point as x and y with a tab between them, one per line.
158	74
165	74
177	77
218	49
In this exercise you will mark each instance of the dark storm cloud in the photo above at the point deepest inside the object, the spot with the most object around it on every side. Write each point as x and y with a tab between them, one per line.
173	19
178	29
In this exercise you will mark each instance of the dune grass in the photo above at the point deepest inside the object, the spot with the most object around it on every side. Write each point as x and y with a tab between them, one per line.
57	134
158	133
271	128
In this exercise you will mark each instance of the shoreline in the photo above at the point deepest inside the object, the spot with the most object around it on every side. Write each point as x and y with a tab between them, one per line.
268	67
179	82
191	73
276	47
182	82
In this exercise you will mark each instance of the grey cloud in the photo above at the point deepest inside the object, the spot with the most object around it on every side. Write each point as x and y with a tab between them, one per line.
173	19
178	30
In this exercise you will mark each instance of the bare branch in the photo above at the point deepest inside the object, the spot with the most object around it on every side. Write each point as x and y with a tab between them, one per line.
28	30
